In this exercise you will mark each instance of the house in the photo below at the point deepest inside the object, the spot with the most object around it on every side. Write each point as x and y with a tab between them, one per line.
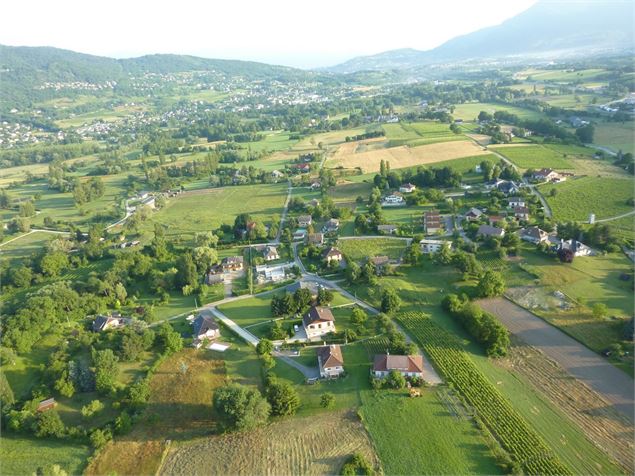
578	248
387	229
406	365
299	234
270	253
233	263
473	214
545	175
516	202
204	327
394	198
148	202
315	239
432	222
318	321
533	234
313	287
103	323
314	203
330	361
305	220
45	405
504	186
332	254
494	219
407	188
276	174
316	185
432	246
214	275
332	225
302	167
488	230
522	213
380	263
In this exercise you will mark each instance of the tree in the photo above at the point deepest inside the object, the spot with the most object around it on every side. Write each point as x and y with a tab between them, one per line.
277	332
357	465
265	346
49	423
325	296
358	316
283	398
395	379
390	301
327	400
565	255
186	271
26	209
52	264
95	406
240	407
204	257
99	438
600	310
139	392
21	276
169	339
302	298
491	283
585	133
106	370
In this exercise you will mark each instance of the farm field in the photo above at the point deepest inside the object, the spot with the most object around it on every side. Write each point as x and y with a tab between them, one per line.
22	455
359	249
424	435
184	215
419	133
313	445
26	245
534	157
617	136
576	198
179	407
403	156
469	111
560	75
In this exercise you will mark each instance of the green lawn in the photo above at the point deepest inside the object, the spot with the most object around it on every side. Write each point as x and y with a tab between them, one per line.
361	249
534	157
421	436
616	135
419	133
245	312
576	198
25	246
470	111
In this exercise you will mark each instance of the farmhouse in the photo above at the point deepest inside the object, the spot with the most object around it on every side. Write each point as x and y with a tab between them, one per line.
332	225
534	235
233	263
516	202
315	239
271	253
302	168
380	263
276	174
522	213
487	230
394	198
432	246
387	229
330	361
407	188
578	248
305	220
406	365
473	214
204	327
432	222
214	275
113	321
47	404
332	254
318	321
546	175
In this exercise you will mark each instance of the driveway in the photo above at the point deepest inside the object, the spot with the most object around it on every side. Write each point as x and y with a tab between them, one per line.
581	362
246	335
308	372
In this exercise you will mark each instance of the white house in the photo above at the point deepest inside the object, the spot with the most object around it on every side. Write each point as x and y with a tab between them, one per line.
407	188
534	235
330	361
578	248
432	246
270	253
394	199
305	220
204	327
516	202
406	365
318	321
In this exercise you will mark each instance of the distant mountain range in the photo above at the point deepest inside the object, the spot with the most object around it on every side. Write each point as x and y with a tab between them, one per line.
549	29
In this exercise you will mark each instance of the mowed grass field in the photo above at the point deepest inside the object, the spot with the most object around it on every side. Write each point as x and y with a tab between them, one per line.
576	198
617	136
359	249
534	157
419	133
469	111
207	209
422	436
25	246
404	156
23	455
179	408
315	445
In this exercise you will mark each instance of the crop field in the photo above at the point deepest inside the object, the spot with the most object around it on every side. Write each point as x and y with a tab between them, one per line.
403	156
534	157
313	445
513	432
25	246
604	196
470	111
617	136
189	213
423	436
419	133
561	75
179	408
23	455
359	249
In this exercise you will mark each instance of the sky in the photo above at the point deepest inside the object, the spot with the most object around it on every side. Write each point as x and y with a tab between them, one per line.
290	32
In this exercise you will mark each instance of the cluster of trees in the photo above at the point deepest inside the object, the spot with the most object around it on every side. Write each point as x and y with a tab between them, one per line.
39	154
366	135
483	326
87	191
287	304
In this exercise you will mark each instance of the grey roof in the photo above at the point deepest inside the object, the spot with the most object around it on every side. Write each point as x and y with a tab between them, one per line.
318	314
202	324
488	230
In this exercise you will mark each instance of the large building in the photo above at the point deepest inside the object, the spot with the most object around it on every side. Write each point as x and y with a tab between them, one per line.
318	321
432	222
432	246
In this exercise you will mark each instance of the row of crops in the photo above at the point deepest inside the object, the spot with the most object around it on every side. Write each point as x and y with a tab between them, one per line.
508	427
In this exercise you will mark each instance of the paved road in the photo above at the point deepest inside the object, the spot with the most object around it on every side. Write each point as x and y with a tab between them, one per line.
578	360
246	335
623	215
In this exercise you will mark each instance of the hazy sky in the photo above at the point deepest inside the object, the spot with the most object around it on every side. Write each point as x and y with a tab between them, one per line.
291	32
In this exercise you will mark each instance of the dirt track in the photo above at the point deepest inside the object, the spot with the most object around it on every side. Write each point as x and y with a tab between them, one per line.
575	358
